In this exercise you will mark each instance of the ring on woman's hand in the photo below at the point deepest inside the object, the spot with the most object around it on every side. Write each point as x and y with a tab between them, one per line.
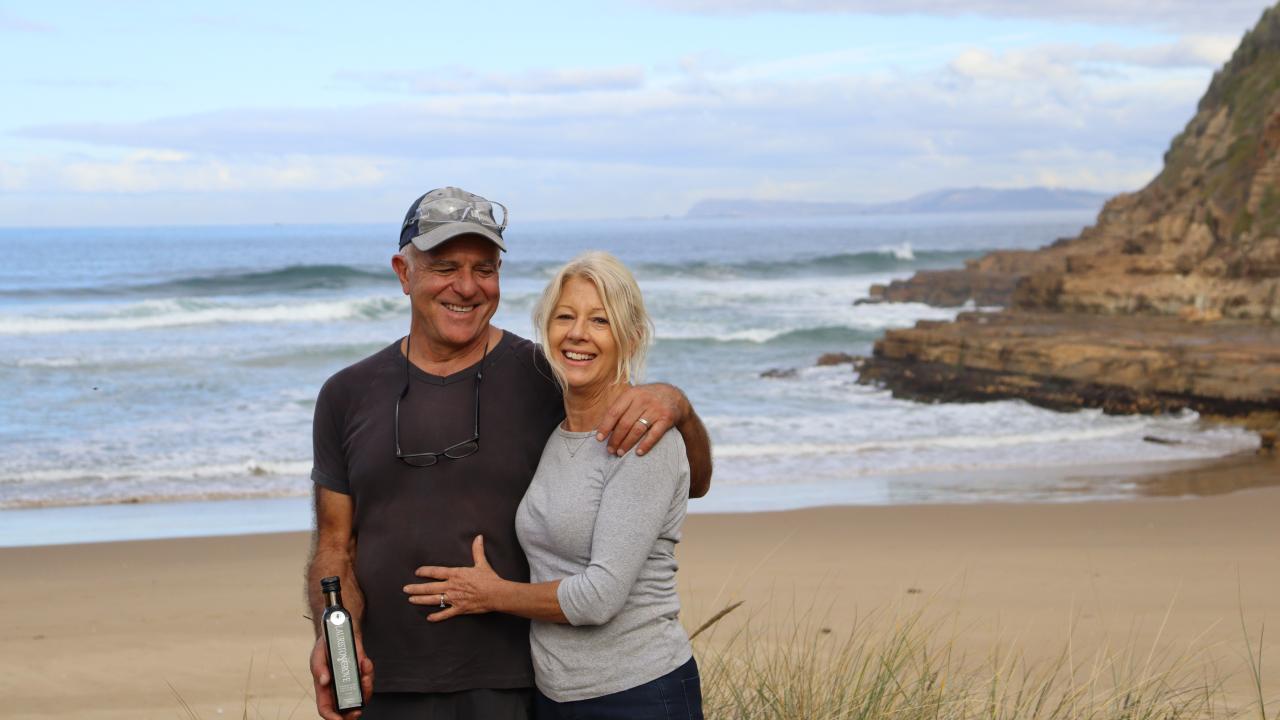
643	422
442	598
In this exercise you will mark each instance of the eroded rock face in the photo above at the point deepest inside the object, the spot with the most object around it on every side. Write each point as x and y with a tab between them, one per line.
1170	300
987	281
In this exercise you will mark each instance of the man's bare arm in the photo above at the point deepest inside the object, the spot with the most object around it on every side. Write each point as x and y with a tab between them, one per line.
333	545
333	551
661	407
697	446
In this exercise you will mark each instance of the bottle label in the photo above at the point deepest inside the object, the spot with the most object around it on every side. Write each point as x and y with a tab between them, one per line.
342	660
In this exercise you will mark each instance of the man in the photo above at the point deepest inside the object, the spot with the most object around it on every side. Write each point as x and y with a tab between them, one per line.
426	444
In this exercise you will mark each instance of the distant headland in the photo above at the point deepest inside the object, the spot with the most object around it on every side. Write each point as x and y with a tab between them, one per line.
949	200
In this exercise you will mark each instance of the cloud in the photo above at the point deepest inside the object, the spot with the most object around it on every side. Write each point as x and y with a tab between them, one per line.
1189	51
1059	64
796	110
1190	14
1094	116
15	23
13	176
1074	168
155	171
463	81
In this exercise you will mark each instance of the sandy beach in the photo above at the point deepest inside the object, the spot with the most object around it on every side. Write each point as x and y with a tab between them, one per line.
122	630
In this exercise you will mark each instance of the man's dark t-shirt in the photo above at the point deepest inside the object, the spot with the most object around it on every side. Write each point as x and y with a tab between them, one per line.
406	516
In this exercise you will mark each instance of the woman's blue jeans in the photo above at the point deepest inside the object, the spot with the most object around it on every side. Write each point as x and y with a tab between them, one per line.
674	696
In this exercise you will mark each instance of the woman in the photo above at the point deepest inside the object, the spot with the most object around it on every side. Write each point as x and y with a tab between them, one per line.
599	531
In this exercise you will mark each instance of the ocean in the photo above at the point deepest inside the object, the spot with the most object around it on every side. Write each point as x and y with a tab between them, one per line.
181	364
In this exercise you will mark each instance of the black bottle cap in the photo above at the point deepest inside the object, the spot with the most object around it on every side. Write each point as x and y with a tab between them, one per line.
331	584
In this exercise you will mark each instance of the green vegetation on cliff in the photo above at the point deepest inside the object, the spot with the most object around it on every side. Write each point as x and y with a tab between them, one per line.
1226	157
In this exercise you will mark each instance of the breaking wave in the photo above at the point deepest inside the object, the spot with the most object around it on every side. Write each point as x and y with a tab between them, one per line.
290	279
897	258
153	314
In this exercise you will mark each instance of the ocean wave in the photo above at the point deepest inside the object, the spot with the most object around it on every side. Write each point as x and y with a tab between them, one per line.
215	481
304	278
249	468
958	442
835	335
893	258
289	279
901	252
56	363
152	314
160	496
255	357
321	353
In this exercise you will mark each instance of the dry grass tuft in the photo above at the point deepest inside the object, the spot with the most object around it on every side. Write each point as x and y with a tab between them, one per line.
903	668
899	666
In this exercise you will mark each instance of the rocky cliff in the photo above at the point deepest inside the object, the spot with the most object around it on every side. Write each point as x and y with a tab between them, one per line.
1201	240
1171	299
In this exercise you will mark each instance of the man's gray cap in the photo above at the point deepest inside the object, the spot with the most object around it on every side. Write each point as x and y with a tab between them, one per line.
447	212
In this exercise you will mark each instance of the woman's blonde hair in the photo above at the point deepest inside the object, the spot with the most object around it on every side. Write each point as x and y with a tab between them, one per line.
623	304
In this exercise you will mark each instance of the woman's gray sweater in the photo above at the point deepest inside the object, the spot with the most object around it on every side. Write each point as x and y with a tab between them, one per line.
606	527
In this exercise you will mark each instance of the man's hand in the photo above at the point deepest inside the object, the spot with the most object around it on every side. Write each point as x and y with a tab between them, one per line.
459	590
661	406
320	676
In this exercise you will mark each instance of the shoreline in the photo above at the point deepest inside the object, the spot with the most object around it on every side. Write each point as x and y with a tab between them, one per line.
1125	482
220	620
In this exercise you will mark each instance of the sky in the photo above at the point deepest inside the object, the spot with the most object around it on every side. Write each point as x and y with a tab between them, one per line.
163	113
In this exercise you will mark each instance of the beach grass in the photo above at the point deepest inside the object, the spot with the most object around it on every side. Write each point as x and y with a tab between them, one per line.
904	665
900	666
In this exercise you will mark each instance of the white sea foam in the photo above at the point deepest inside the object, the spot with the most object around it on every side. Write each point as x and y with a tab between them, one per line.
965	442
49	362
57	487
778	306
249	468
925	440
860	319
900	252
693	331
161	495
154	314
